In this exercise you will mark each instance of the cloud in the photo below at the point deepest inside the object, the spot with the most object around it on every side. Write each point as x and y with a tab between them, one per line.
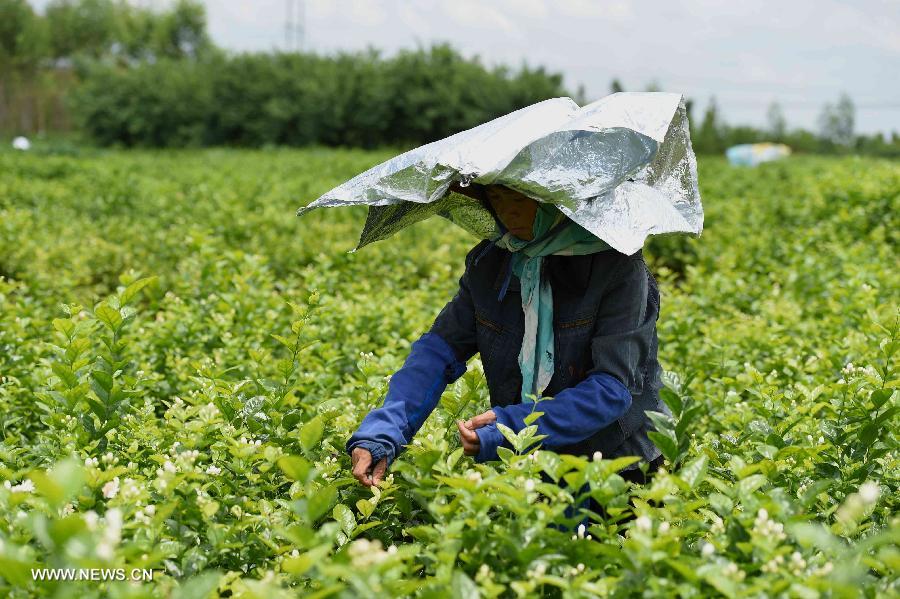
617	10
480	15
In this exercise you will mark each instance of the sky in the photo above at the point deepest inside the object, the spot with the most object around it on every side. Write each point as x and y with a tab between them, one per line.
800	53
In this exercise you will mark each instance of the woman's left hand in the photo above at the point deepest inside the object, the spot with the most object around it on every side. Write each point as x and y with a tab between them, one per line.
467	434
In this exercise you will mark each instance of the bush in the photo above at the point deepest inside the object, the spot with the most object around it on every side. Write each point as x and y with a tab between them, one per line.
301	99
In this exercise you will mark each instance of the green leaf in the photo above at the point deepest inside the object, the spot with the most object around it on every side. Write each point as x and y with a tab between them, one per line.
661	422
671	399
694	471
64	326
294	467
320	502
304	561
361	528
454	457
532	417
103	379
201	586
880	397
132	290
60	483
463	587
622	462
509	434
344	517
291	419
722	504
108	316
365	507
311	433
751	484
666	445
64	372
812	534
288	343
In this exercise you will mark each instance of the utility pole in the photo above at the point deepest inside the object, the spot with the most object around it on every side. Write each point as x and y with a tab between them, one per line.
294	25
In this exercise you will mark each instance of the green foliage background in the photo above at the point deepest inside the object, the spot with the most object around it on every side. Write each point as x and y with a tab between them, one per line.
172	336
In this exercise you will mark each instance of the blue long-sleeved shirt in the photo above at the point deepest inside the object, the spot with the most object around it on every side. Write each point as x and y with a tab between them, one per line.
414	391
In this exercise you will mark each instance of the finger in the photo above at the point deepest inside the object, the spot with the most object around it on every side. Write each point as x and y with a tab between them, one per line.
378	473
470	448
467	435
466	444
361	468
483	419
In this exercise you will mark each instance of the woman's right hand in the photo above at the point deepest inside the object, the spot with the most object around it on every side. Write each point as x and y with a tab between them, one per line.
363	469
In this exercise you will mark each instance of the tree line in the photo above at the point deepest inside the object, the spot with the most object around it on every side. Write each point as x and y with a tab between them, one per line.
132	76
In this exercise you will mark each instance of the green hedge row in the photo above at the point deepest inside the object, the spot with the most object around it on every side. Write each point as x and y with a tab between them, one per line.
297	99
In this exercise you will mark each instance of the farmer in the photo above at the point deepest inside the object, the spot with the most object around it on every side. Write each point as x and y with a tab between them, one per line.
593	338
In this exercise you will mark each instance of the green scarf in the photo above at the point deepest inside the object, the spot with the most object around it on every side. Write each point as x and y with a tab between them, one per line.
536	359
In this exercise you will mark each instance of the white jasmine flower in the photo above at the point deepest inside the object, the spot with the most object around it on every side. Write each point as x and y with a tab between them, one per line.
131	489
643	523
581	531
214	470
869	492
111	488
663	527
105	550
26	486
597	456
529	485
708	549
91	519
364	553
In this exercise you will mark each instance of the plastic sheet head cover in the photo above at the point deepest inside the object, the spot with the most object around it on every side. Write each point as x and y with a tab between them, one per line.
621	167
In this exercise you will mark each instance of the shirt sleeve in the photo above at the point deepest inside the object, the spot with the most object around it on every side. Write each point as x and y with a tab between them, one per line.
437	359
619	349
413	392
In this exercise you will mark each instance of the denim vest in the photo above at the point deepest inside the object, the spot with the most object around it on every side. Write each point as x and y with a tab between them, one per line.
605	307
